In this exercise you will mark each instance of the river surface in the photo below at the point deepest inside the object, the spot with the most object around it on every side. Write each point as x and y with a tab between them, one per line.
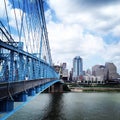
71	106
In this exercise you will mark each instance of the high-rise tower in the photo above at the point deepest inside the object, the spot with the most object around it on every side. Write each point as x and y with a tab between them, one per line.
77	67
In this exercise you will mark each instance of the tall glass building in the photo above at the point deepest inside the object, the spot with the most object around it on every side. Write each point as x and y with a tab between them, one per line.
77	67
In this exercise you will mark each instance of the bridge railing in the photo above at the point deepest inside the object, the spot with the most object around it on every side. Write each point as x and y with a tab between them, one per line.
17	65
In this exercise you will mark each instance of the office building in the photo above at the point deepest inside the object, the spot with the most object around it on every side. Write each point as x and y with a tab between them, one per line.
77	68
111	71
107	72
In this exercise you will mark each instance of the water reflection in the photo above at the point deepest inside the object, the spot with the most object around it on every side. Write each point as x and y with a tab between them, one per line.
55	108
71	106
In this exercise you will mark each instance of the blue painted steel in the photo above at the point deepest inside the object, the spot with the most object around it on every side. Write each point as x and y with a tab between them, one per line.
7	105
42	88
21	97
37	89
31	92
21	65
18	65
11	66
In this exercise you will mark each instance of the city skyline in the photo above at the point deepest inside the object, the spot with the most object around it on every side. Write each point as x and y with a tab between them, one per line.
89	29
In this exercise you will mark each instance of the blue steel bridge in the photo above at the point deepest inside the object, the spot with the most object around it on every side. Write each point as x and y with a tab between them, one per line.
25	57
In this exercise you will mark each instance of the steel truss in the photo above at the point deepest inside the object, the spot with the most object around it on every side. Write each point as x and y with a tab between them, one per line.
17	65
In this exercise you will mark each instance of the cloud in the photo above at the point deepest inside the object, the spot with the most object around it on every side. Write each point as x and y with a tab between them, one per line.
80	29
116	31
83	12
97	3
68	41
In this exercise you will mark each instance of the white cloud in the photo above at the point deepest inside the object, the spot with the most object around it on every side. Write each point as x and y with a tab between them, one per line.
2	8
68	41
80	30
77	28
11	16
100	19
92	44
116	31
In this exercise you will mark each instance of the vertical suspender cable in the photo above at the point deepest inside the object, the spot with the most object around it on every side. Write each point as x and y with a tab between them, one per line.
7	17
27	30
29	37
41	28
32	24
45	31
16	21
22	26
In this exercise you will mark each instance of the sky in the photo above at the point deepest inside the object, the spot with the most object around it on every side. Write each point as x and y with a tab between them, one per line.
86	28
20	18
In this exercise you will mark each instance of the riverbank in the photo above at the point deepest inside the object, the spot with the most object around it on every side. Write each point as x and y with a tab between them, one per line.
94	89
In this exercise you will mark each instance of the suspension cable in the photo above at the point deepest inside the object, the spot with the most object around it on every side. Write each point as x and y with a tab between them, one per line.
7	17
32	24
45	31
27	32
38	12
37	26
22	26
16	21
28	8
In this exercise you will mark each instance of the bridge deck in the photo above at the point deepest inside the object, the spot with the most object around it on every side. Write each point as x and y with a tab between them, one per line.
10	89
4	116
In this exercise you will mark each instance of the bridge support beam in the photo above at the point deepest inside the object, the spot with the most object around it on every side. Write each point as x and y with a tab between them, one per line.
37	89
22	97
6	105
31	92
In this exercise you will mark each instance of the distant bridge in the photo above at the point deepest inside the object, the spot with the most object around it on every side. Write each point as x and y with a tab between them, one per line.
25	58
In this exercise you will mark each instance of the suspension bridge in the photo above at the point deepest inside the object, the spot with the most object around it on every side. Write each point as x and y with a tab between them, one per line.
25	58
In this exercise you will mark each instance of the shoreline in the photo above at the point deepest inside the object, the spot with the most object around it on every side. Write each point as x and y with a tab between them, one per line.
94	89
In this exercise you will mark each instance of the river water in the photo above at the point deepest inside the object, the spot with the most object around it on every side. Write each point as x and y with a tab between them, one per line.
71	106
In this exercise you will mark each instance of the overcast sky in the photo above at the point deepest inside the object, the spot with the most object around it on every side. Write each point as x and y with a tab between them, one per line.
86	28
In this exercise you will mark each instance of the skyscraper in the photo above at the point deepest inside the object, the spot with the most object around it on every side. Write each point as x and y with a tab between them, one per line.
111	71
77	67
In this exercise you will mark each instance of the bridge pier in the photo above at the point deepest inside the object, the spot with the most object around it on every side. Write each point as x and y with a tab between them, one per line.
6	105
58	87
52	88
